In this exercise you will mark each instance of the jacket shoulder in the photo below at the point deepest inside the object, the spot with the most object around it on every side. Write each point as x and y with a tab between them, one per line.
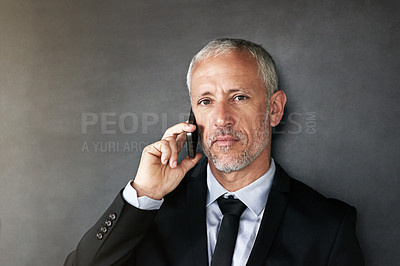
308	200
315	205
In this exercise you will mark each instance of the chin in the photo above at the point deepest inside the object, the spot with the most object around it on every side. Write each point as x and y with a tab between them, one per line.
228	163
228	167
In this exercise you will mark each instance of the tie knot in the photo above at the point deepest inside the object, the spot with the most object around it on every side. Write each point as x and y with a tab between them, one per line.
231	206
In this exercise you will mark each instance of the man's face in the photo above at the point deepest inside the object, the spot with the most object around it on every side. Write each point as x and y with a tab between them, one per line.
230	104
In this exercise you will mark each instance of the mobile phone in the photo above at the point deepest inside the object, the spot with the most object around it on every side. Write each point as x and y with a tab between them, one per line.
192	137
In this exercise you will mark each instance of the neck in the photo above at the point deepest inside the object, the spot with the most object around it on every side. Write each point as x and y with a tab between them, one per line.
236	180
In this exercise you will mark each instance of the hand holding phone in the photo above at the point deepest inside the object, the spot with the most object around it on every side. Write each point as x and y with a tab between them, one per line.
159	172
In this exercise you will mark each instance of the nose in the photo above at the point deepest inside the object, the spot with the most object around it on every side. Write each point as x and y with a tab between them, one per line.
223	115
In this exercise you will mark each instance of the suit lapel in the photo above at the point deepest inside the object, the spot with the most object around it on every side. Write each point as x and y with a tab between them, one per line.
274	210
196	198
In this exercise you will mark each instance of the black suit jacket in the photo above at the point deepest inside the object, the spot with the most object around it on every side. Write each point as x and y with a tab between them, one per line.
299	227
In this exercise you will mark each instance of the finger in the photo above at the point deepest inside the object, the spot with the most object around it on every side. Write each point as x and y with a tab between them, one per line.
161	149
188	163
180	141
173	159
179	129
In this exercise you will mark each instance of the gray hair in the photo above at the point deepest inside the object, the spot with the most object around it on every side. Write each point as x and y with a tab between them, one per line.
266	65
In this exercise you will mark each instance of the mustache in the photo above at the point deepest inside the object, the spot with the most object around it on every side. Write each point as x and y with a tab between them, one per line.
222	132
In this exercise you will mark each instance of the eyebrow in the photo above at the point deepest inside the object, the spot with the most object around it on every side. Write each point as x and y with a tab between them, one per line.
230	91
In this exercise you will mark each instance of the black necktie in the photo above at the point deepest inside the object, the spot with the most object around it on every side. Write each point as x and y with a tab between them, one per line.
232	209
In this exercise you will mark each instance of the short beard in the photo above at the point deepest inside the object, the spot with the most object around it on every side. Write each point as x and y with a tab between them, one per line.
248	155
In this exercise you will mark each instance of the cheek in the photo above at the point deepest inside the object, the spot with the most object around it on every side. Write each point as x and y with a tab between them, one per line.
258	118
253	125
247	123
203	123
202	130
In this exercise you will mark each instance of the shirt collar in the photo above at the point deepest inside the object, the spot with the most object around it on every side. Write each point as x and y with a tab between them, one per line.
254	195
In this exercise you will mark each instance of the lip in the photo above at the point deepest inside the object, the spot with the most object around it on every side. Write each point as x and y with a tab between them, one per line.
225	140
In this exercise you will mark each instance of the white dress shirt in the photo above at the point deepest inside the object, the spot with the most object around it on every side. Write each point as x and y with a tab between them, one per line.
254	196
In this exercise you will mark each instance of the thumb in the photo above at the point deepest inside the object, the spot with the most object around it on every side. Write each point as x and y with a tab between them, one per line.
187	164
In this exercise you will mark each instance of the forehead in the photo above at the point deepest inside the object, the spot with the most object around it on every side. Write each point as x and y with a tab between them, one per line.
233	70
234	62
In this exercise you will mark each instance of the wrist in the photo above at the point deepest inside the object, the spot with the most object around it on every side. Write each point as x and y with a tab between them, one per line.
142	190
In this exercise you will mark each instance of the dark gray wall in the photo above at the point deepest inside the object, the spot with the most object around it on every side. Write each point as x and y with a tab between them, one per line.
64	60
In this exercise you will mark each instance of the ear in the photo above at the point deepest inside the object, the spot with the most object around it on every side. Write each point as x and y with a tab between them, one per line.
276	107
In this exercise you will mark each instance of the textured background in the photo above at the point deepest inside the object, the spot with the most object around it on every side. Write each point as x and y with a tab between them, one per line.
125	62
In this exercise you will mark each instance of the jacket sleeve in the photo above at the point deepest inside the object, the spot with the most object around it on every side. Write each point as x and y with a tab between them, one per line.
346	250
113	239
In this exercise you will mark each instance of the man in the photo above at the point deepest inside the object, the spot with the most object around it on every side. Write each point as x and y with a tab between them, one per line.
235	207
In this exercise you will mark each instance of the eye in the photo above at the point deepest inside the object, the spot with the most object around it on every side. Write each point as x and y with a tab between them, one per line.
204	102
240	98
